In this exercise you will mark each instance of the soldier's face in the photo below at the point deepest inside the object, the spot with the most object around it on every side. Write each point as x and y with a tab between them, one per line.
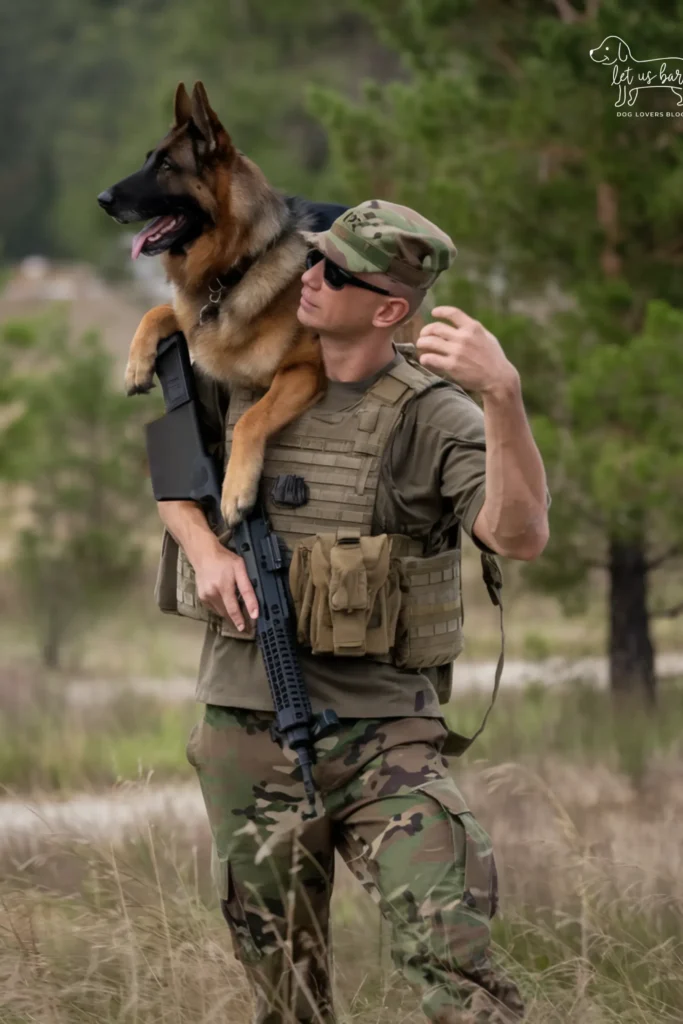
349	311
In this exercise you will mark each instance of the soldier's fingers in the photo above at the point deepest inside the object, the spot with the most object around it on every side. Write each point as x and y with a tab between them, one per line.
441	330
434	343
215	603
232	608
436	362
458	316
246	589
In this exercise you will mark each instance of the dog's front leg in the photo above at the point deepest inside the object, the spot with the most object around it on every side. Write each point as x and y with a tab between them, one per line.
622	96
156	324
293	390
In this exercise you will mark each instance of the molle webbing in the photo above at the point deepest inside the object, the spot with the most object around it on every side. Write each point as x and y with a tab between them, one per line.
338	454
432	618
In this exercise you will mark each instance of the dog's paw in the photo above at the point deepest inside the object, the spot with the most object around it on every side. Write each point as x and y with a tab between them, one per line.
233	513
139	379
238	496
234	507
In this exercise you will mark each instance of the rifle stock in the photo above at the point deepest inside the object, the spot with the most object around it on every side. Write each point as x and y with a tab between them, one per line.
180	467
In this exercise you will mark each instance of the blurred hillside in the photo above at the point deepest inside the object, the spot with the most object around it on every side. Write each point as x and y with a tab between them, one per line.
36	284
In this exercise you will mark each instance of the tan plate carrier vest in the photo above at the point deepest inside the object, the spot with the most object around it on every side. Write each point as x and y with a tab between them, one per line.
355	594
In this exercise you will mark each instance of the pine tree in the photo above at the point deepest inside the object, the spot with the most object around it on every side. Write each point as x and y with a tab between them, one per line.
568	218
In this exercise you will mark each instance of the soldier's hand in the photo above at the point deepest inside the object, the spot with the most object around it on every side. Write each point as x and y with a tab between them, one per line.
465	350
220	577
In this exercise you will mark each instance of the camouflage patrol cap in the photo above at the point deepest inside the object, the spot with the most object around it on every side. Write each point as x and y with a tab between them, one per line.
381	237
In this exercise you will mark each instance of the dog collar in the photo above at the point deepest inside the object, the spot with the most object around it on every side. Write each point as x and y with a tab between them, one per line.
224	283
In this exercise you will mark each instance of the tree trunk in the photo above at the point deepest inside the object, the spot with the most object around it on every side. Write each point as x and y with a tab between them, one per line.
631	656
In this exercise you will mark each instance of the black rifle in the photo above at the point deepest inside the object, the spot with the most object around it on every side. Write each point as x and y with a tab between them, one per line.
181	470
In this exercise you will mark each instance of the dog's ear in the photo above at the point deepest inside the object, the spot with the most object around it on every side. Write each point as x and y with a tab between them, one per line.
183	106
206	120
624	52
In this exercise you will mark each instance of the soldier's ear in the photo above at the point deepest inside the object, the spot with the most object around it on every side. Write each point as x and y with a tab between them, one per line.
183	106
206	120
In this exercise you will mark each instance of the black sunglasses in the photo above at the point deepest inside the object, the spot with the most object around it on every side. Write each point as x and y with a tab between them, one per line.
335	276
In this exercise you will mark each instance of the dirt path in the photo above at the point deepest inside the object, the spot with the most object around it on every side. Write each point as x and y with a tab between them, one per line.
108	816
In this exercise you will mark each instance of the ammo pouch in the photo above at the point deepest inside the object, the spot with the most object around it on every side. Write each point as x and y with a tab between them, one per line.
430	620
360	595
346	593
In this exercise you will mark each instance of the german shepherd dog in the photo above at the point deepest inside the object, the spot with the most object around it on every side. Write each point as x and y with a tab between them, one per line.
232	250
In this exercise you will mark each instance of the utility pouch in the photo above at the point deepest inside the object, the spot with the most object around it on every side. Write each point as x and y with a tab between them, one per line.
429	629
175	591
346	592
165	585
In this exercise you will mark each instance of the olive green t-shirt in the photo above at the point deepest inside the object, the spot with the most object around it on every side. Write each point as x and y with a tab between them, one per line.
431	488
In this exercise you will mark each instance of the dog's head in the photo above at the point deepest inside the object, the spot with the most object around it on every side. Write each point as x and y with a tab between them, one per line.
611	50
176	185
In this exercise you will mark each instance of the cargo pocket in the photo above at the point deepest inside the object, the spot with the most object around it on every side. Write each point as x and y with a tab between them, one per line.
480	878
429	631
233	910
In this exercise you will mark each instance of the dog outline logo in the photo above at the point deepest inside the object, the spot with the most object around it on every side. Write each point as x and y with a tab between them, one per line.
630	79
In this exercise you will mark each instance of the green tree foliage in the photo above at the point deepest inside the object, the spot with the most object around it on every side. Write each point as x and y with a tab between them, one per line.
87	86
72	461
569	222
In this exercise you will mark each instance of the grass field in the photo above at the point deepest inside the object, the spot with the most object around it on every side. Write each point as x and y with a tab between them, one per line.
585	807
592	896
584	802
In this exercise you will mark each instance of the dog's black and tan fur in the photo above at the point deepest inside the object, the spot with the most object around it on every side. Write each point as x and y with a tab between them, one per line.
217	214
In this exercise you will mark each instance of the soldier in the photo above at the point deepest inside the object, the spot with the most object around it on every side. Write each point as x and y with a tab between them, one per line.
397	460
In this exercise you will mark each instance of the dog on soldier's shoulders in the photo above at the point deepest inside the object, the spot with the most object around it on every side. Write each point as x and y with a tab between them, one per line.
232	249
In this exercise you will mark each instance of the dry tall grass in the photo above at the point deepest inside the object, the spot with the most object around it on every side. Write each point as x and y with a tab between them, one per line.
592	896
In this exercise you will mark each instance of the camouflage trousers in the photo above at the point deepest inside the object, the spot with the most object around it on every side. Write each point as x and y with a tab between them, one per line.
391	809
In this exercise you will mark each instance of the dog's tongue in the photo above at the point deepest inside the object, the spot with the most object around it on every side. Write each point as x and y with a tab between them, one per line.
153	228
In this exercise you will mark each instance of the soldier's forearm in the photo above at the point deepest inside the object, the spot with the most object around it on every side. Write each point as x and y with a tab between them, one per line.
187	524
514	514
